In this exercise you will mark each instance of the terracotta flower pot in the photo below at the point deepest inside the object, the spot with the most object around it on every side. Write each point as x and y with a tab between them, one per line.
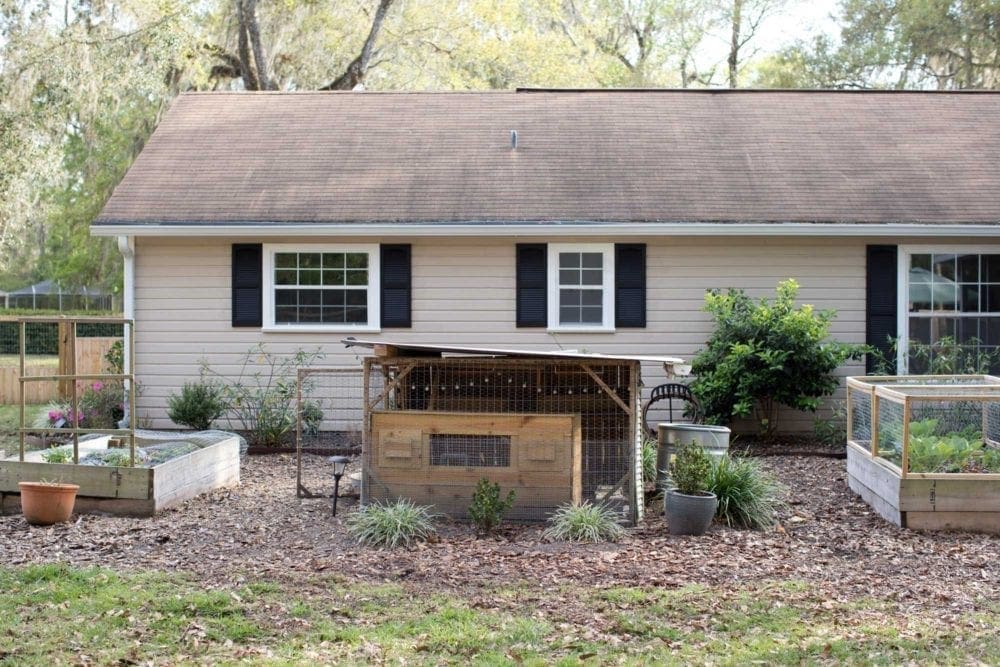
44	504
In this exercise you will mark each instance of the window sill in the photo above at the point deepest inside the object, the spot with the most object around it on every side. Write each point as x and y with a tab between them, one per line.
317	328
581	330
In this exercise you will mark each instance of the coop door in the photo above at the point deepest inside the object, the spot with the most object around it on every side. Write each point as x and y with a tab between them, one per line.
398	447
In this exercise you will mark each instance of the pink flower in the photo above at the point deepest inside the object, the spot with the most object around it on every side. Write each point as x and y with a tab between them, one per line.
97	386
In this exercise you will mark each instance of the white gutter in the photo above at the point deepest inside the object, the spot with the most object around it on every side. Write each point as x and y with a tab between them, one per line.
548	229
126	246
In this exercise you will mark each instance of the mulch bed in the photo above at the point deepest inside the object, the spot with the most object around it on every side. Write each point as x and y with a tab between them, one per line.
261	530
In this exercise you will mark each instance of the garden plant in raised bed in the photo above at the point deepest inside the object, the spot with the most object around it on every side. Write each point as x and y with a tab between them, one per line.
936	449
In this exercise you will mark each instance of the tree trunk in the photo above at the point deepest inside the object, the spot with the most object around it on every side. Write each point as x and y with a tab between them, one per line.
253	32
355	72
250	81
734	42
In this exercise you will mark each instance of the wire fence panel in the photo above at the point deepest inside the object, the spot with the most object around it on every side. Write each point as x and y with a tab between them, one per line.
551	430
330	417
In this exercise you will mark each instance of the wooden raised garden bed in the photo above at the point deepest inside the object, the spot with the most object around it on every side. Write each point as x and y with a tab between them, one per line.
924	452
130	491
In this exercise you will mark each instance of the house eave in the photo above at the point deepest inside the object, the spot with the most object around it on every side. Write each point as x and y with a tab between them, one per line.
545	229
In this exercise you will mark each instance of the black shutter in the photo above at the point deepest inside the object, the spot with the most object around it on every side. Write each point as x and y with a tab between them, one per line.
396	289
532	285
630	285
248	279
881	292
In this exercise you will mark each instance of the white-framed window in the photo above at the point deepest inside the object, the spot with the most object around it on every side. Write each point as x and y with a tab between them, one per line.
950	292
310	287
581	286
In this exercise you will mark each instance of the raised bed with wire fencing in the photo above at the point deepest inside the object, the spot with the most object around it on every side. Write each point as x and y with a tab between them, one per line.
924	451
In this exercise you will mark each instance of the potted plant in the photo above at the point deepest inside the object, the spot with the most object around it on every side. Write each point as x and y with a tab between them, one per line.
690	506
45	503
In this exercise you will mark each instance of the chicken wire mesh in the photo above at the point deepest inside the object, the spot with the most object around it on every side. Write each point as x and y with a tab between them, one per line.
952	422
54	351
330	416
552	430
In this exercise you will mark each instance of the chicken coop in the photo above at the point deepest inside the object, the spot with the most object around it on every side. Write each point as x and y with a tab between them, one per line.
555	428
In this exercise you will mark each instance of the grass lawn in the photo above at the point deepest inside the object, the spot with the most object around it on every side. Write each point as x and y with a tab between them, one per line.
53	614
9	422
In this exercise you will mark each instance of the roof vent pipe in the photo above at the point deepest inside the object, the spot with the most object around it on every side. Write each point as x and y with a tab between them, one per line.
513	139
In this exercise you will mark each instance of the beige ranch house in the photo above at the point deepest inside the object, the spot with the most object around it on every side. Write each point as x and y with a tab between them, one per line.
551	219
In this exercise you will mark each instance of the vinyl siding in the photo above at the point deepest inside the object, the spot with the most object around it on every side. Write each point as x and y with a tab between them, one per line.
463	293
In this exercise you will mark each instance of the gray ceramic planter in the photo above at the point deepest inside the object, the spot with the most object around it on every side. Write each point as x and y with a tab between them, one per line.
688	515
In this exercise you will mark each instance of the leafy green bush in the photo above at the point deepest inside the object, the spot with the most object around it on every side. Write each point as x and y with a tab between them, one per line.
312	417
584	523
58	455
649	452
487	508
832	430
690	469
763	355
935	447
391	524
261	399
749	496
198	405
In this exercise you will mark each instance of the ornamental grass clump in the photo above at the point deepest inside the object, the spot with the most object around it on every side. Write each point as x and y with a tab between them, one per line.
584	523
390	525
749	496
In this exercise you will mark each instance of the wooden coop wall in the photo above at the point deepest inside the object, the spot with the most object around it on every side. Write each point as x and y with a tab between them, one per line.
437	458
512	396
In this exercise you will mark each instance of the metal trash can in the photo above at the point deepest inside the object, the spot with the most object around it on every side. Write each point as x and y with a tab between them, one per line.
672	436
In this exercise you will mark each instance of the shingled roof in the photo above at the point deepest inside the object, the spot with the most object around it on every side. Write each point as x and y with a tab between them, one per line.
602	156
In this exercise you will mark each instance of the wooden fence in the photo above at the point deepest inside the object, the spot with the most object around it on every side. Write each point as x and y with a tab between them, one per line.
90	353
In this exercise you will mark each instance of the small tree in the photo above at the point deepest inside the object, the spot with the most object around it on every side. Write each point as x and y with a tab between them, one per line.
764	354
487	508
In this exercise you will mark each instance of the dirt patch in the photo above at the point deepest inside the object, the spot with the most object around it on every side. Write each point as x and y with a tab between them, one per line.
260	530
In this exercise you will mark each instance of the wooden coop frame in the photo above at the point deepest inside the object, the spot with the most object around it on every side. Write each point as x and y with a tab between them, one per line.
567	424
916	499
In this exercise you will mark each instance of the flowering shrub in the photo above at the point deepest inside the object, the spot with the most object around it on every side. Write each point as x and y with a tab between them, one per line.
101	405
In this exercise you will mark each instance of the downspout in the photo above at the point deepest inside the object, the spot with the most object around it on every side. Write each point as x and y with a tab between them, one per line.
126	246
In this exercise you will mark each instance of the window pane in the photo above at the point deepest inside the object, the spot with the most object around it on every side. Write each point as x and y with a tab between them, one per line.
920	329
944	268
592	260
333	277
990	296
920	264
592	277
333	297
356	315
310	297
286	297
591	315
357	277
333	315
569	277
591	297
285	260
569	260
357	260
569	315
309	314
285	314
286	277
991	269
333	260
944	296
356	297
569	297
968	268
309	260
989	330
969	298
968	330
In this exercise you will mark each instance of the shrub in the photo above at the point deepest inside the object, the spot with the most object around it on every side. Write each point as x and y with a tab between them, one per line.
58	455
198	405
312	417
392	524
584	523
487	508
262	398
748	495
832	430
763	355
690	469
650	449
102	404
